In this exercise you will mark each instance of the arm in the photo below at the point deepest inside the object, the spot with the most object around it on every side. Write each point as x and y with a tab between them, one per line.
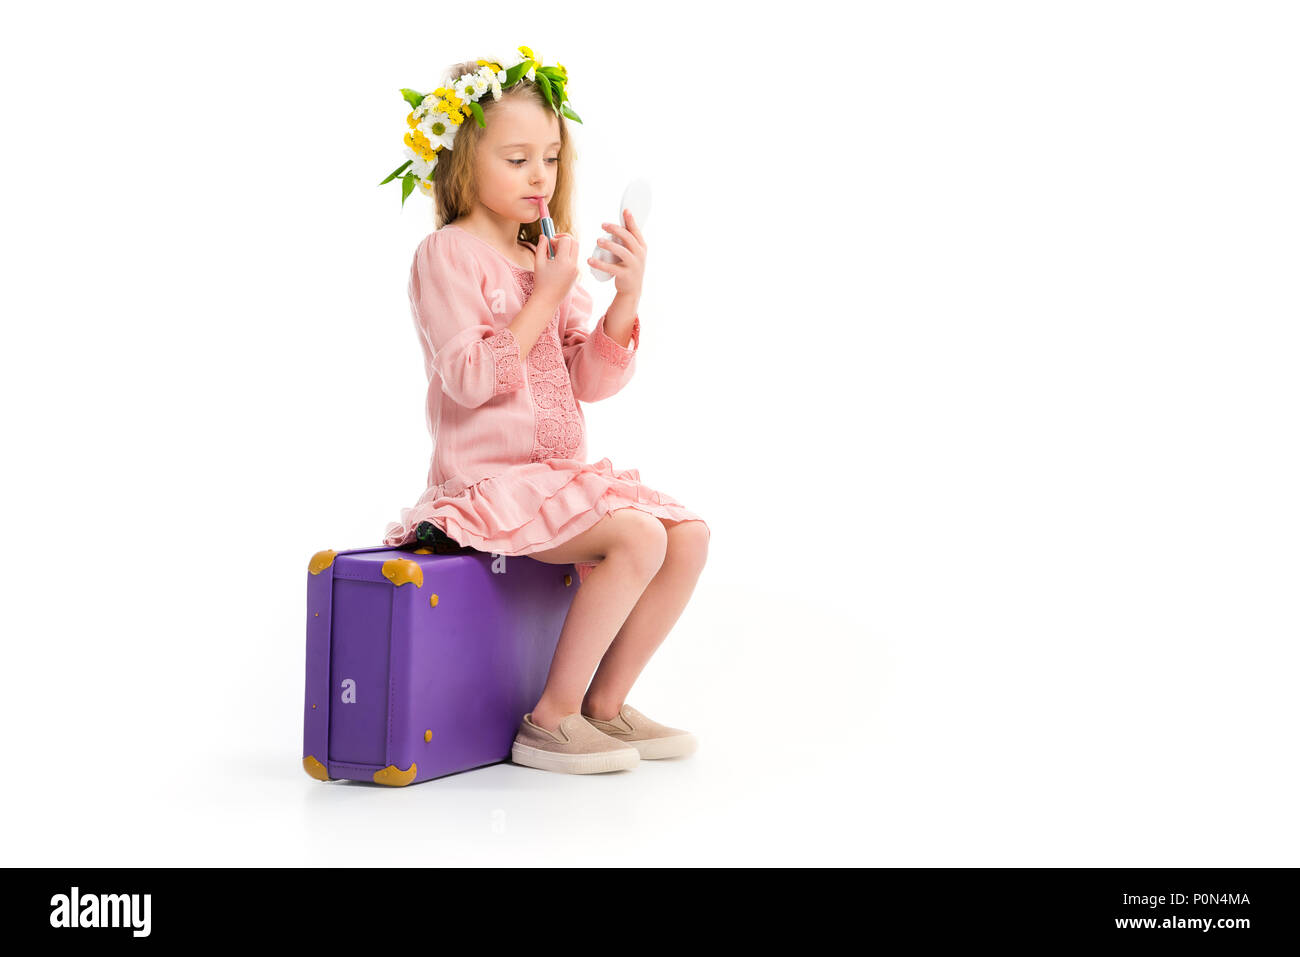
598	364
473	361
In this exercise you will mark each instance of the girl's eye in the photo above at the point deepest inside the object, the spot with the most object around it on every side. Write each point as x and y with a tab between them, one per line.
553	159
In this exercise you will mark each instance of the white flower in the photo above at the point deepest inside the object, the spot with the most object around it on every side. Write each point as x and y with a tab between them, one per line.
426	126
532	74
419	166
465	88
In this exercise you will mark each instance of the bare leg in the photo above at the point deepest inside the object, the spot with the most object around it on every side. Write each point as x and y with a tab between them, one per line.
630	546
661	604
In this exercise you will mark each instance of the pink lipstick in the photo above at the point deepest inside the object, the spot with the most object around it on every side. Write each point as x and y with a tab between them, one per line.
548	227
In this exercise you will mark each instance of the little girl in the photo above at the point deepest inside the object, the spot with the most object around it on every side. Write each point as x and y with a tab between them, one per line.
508	355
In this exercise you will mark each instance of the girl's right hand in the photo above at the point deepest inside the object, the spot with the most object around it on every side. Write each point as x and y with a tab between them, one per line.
553	278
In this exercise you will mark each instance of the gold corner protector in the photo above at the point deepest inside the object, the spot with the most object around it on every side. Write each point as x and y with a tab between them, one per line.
394	776
321	561
399	571
315	768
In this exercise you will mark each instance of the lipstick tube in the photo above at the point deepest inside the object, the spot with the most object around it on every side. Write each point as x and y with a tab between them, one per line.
548	227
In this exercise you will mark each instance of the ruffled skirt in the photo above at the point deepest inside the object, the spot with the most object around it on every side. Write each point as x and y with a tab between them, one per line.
533	507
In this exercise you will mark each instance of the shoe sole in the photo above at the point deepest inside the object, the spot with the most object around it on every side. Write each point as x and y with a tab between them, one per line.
594	762
676	746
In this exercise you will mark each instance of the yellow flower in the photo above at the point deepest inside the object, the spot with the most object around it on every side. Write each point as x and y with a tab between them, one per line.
563	72
412	121
496	67
449	96
449	105
453	115
528	53
418	142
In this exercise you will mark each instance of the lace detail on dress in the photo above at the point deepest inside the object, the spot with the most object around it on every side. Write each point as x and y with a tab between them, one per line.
505	350
611	351
558	432
525	277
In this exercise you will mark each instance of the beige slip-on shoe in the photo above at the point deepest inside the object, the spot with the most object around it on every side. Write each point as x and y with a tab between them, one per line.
574	748
652	739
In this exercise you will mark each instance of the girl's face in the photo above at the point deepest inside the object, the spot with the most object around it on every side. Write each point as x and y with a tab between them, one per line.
518	156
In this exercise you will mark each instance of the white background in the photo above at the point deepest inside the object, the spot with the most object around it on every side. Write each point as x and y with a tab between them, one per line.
970	328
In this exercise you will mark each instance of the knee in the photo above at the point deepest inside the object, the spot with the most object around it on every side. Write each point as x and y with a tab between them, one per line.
642	540
688	542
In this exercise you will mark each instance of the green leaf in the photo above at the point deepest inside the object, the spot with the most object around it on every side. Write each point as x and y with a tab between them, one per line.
478	114
564	108
515	72
410	96
545	84
408	184
393	175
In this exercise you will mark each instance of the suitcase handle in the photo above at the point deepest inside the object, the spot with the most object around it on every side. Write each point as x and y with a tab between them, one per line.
430	536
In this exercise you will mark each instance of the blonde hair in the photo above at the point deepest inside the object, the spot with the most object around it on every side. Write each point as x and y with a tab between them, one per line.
454	189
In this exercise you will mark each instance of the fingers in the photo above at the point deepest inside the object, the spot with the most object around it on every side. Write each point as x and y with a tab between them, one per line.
565	246
633	227
622	253
630	239
566	249
563	263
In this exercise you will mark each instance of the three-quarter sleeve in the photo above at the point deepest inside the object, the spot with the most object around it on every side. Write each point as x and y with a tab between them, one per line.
473	360
598	366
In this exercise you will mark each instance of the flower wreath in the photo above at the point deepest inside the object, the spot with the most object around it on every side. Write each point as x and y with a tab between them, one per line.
435	117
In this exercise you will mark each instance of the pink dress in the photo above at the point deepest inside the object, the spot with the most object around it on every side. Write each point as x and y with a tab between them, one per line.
509	473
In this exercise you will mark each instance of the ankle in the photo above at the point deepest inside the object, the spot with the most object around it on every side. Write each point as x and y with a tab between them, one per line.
600	710
548	719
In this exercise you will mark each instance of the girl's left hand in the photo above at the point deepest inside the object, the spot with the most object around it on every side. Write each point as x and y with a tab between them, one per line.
628	267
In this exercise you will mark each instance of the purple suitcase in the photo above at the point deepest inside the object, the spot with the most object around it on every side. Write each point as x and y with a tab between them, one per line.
422	664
